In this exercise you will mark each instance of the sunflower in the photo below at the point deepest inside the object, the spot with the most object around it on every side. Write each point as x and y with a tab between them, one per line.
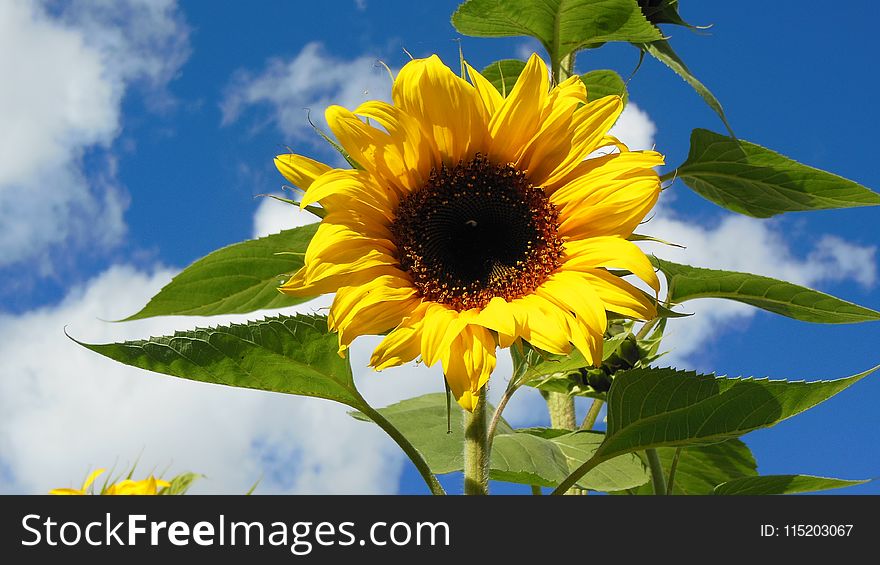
474	220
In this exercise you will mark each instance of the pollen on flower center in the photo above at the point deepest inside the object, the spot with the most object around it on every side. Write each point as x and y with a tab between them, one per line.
476	231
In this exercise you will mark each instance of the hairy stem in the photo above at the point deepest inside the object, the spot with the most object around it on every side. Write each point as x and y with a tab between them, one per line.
562	417
476	448
561	408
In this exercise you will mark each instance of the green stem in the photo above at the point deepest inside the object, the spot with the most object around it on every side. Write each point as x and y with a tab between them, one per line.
669	175
656	471
592	414
408	448
476	448
646	329
496	417
671	482
563	68
576	475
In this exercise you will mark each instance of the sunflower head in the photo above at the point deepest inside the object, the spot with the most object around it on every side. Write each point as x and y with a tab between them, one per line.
476	220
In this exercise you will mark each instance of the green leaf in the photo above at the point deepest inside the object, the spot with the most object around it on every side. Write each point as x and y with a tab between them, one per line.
527	459
702	467
620	473
503	74
655	407
423	420
662	51
236	279
533	458
537	460
293	355
535	365
780	297
603	83
572	384
755	181
782	484
562	26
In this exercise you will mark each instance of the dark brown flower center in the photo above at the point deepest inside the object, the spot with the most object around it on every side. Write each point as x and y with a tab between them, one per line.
476	231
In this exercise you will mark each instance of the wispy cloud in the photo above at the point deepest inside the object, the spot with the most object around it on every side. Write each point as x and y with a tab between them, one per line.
288	91
66	70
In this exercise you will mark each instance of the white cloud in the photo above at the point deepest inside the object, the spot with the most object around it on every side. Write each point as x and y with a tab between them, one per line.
737	243
312	80
139	40
64	413
67	69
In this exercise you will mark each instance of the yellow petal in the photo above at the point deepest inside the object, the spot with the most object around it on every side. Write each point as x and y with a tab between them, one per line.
378	152
444	104
299	286
347	262
542	324
352	299
66	491
489	97
334	236
400	346
611	253
498	315
618	215
419	152
594	174
354	193
469	364
590	124
612	199
518	118
91	478
371	308
439	328
300	170
587	340
552	143
571	293
620	296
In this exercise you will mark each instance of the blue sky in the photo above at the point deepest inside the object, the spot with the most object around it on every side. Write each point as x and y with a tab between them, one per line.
138	134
